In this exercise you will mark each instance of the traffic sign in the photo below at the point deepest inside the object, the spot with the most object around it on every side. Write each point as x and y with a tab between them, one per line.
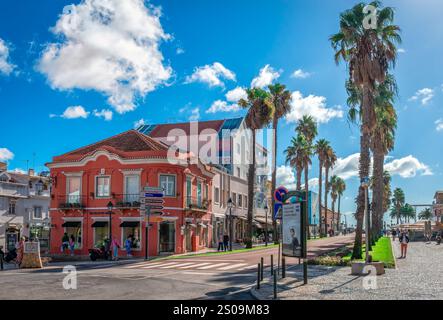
153	189
156	207
152	200
153	195
280	193
277	212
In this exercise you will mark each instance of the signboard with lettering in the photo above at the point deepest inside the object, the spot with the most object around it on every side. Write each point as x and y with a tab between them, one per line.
292	230
31	247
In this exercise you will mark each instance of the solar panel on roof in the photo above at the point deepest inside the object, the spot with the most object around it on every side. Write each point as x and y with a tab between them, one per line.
146	129
228	125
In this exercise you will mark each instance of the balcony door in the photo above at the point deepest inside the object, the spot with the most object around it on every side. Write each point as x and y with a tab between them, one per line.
73	189
132	188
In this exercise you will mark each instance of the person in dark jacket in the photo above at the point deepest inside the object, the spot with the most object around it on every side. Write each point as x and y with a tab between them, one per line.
226	242
404	240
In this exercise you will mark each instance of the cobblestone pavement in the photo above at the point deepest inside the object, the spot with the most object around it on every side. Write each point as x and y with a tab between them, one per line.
419	277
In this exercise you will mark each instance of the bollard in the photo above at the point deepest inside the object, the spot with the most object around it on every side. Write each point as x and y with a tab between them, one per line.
275	285
272	264
261	270
283	268
1	261
258	277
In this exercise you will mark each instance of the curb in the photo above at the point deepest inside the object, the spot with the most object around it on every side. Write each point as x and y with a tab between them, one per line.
393	254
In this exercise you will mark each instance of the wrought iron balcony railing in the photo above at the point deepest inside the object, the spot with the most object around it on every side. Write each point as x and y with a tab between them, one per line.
195	203
71	202
127	201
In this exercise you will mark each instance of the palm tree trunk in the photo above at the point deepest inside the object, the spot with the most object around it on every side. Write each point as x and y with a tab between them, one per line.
251	191
274	180
299	174
333	214
378	188
338	213
320	186
307	197
326	197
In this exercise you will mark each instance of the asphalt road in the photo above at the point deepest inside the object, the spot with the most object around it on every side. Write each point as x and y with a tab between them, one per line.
221	277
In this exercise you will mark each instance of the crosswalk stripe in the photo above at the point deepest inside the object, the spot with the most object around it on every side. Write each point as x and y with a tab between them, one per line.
138	265
233	266
249	267
195	265
212	266
156	266
176	265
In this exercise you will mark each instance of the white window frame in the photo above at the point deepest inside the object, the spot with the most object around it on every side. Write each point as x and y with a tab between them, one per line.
175	184
41	213
96	187
125	184
76	176
216	195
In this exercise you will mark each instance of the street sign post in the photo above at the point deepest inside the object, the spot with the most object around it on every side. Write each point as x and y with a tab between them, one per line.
151	199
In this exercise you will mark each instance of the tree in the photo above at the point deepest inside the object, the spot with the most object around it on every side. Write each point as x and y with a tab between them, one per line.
330	160
387	194
280	99
334	195
341	188
426	214
294	158
260	113
368	52
321	149
407	212
398	201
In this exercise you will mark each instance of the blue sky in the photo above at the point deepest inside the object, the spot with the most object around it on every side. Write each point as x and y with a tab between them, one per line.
194	54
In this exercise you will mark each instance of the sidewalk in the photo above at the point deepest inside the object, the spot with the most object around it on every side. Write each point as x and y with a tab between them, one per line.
416	278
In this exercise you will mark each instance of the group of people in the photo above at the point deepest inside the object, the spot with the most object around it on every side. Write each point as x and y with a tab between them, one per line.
115	246
223	242
68	242
403	238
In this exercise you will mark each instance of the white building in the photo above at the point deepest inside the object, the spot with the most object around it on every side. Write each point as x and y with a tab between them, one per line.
24	207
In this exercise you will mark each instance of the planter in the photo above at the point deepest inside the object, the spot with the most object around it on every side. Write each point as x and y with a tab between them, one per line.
358	268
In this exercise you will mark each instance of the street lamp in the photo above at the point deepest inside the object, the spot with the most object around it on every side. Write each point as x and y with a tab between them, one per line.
110	207
230	204
365	185
266	222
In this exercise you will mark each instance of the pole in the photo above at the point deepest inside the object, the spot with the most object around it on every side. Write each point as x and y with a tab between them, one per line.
266	230
305	241
261	268
1	258
272	264
258	276
367	225
230	229
148	211
275	285
110	234
283	268
279	250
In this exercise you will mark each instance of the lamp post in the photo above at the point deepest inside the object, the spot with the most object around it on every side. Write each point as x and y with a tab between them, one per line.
230	204
266	222
110	207
365	185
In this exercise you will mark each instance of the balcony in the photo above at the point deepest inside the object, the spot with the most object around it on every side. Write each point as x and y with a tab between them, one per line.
71	202
127	201
198	204
13	190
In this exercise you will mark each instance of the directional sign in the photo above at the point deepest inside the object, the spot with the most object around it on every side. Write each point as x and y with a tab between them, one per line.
156	207
152	200
277	211
153	189
153	195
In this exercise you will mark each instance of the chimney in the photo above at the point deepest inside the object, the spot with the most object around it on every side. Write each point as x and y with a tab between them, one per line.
3	167
31	172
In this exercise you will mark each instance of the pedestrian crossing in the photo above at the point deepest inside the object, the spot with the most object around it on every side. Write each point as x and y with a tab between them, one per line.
199	265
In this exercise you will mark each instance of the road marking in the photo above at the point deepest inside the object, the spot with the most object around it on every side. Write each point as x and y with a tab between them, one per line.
238	265
249	267
195	265
138	265
200	273
161	265
208	260
176	265
213	266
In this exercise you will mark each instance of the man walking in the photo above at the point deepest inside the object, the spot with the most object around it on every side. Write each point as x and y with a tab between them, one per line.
404	240
226	242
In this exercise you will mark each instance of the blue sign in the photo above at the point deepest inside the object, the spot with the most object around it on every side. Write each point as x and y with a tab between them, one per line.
277	207
153	195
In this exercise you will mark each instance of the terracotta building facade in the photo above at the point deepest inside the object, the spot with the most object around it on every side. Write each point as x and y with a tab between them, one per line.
96	190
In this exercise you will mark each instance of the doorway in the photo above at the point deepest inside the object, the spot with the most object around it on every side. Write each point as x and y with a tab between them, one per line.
167	237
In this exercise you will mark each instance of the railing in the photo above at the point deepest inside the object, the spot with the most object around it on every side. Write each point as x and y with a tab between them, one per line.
196	203
13	189
71	202
41	193
127	200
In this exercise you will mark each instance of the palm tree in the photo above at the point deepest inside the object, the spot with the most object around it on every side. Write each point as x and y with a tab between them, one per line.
398	201
368	54
334	196
280	98
321	148
382	142
330	160
341	188
387	194
294	157
407	212
260	112
426	214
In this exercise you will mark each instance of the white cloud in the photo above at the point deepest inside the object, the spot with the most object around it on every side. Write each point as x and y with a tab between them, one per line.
104	113
439	124
180	51
401	50
110	46
347	168
425	95
266	77
5	154
75	112
223	106
236	94
5	66
195	114
286	177
408	167
212	75
139	123
314	106
300	74
313	183
18	170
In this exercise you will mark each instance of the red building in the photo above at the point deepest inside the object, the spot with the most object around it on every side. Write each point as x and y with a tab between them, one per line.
85	181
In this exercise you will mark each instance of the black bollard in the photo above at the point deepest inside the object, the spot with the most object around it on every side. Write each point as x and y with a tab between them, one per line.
275	285
1	261
283	268
272	264
261	269
258	277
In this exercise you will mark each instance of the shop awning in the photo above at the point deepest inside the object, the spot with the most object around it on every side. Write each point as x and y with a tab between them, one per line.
130	224
99	224
72	224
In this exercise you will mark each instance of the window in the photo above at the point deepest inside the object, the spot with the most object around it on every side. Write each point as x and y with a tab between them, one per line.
38	213
73	189
206	196
132	188
246	201
11	207
238	148
240	202
167	182
101	233
216	195
199	194
103	187
188	191
133	233
234	198
238	172
75	231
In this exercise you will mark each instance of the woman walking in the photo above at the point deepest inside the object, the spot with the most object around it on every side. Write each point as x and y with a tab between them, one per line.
115	245
72	244
404	240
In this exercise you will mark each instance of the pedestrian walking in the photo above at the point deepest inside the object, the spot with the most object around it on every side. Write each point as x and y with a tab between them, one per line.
225	242
394	233
220	243
115	247
128	246
65	243
72	244
404	241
